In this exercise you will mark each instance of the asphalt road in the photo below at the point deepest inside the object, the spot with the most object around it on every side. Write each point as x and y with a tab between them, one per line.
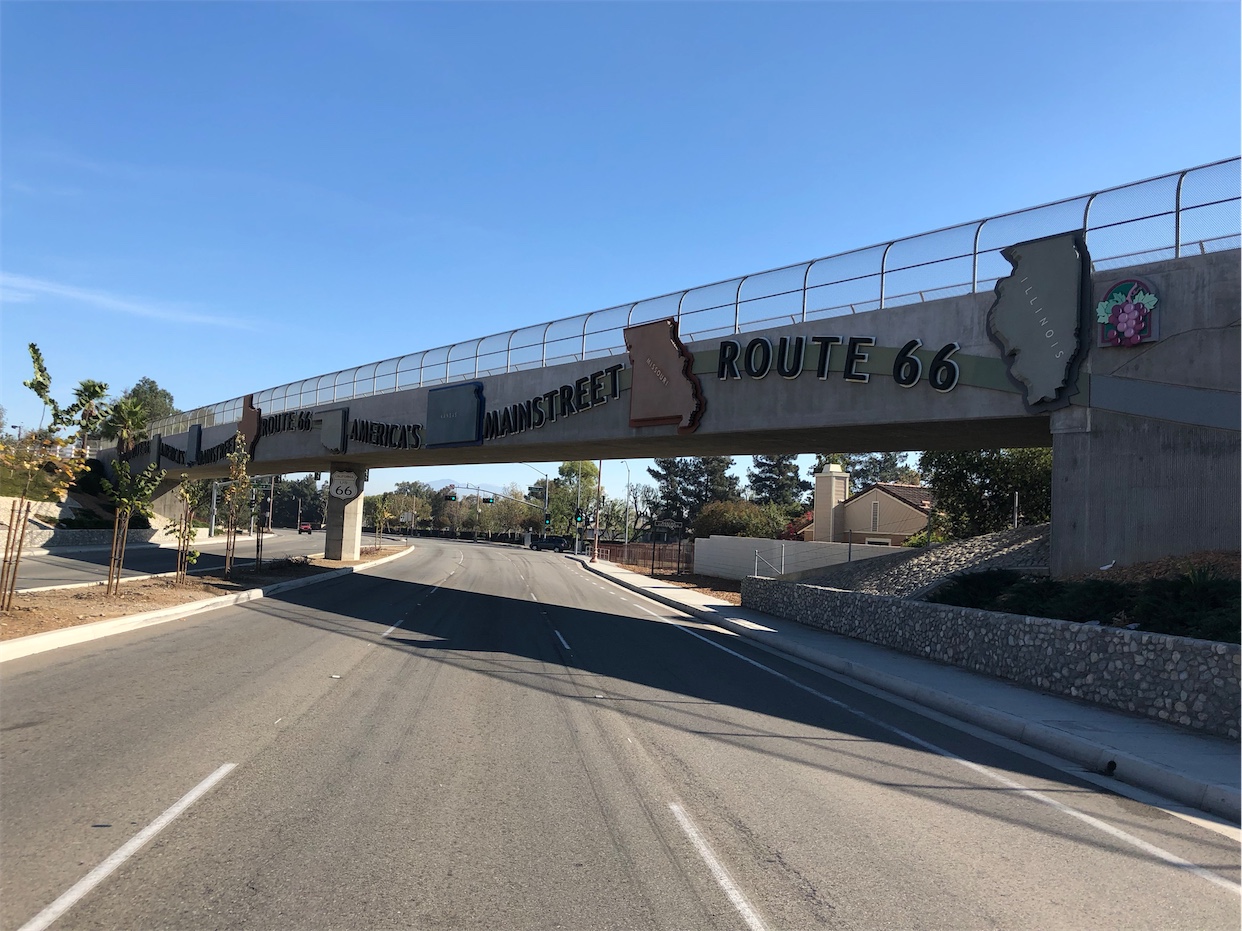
487	737
40	569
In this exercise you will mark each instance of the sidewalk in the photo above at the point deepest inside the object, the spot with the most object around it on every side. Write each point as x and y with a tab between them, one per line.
1200	771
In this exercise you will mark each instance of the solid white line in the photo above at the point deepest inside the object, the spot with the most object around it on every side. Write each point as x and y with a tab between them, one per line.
1159	853
719	873
101	872
562	640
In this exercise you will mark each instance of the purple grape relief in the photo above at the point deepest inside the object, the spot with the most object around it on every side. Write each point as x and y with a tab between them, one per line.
1126	315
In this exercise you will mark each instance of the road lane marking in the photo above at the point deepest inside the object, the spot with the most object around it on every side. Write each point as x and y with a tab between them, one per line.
1151	849
719	873
417	604
123	853
562	640
532	597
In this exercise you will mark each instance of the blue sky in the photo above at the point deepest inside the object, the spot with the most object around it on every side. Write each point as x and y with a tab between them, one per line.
230	196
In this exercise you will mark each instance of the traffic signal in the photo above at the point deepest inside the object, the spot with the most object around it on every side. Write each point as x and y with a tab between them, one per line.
451	496
578	516
489	500
547	518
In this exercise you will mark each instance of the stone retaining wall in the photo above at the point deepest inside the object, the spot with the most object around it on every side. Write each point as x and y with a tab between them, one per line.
1193	683
42	539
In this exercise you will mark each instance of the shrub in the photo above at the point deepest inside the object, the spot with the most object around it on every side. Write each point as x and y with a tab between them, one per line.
1198	604
89	482
976	590
738	519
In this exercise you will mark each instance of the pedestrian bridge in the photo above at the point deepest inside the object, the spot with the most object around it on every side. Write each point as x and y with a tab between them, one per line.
1105	326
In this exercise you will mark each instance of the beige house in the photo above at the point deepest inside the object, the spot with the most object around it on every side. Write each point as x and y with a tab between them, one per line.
885	513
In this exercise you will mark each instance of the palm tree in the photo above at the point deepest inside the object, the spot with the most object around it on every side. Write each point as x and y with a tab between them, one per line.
93	411
126	423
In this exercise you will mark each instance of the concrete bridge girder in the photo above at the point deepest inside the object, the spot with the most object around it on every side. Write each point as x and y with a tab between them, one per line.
1169	400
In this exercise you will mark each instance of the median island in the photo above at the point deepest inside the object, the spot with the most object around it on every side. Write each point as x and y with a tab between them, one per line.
54	609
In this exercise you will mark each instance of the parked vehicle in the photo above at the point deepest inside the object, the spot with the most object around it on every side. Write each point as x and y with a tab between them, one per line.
304	527
559	544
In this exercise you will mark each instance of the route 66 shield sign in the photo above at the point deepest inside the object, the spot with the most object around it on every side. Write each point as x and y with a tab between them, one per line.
344	485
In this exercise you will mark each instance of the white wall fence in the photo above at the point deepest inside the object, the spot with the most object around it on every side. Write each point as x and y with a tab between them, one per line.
734	557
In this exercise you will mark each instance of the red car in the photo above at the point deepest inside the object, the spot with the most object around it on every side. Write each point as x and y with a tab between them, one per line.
304	527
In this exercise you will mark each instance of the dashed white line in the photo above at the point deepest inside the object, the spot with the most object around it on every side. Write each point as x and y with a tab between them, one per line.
101	872
719	873
562	640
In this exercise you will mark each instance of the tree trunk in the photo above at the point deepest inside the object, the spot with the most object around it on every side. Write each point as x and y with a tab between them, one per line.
113	562
16	538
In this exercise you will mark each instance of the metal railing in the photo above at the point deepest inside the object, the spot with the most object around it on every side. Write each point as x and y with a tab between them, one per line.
1195	210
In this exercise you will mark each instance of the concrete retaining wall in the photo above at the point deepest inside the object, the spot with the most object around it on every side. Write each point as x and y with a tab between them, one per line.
734	557
1192	683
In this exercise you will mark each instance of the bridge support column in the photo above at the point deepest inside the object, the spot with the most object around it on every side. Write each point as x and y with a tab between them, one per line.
343	537
1134	489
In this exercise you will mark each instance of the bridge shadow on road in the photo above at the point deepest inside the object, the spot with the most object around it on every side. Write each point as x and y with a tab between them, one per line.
652	670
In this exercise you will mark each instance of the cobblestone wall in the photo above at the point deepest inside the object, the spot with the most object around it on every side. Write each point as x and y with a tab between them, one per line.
1193	683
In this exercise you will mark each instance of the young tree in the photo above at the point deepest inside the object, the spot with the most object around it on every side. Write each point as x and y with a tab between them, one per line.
974	489
776	480
130	494
379	511
235	498
192	495
36	460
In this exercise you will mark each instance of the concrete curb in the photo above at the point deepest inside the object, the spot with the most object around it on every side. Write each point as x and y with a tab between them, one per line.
1095	757
83	633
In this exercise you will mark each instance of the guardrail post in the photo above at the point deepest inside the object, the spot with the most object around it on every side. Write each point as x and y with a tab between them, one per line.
883	269
737	305
1177	218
